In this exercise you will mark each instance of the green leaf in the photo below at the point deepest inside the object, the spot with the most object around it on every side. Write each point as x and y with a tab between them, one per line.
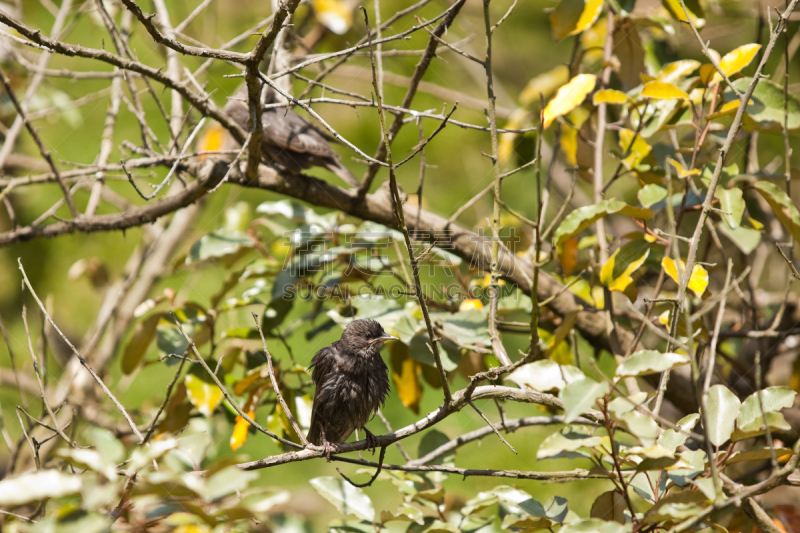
610	505
775	421
521	500
219	243
782	206
545	375
723	407
480	502
405	512
430	441
672	438
84	458
420	350
137	346
677	506
767	103
226	481
646	362
106	444
170	340
745	239
556	509
568	439
583	217
580	396
696	459
345	497
651	194
35	486
641	426
772	399
756	453
467	327
731	201
595	525
262	503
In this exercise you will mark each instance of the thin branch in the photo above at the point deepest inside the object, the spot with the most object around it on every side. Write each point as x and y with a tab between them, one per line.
397	207
225	392
82	361
300	434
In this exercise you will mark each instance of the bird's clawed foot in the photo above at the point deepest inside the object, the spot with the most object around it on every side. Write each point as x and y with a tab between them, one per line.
327	446
372	441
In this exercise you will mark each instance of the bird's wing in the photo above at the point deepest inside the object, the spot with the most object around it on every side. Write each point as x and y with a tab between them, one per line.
286	129
321	367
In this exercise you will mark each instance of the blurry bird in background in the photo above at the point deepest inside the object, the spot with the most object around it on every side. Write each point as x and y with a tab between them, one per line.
289	142
352	382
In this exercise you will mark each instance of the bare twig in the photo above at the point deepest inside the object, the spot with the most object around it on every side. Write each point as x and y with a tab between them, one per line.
83	362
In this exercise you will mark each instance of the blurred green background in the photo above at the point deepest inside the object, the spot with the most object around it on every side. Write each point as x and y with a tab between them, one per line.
523	49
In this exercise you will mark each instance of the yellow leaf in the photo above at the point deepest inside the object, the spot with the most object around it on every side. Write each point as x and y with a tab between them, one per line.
506	144
205	396
728	109
466	305
646	78
672	72
698	280
696	95
590	13
736	60
609	96
239	435
663	91
336	15
571	17
143	335
212	139
592	42
569	144
676	10
568	255
707	72
191	528
638	147
620	282
405	374
757	225
569	97
544	84
560	335
632	257
682	172
486	280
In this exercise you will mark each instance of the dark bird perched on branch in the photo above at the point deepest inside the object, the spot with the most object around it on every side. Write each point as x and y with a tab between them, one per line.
352	382
289	142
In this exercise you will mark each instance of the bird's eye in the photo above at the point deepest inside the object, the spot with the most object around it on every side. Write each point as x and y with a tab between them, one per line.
366	336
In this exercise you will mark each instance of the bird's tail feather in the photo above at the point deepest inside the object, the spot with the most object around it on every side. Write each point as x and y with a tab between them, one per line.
340	170
314	436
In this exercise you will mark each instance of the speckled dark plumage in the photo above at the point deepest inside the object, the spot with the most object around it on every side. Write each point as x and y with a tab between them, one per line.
352	382
289	142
